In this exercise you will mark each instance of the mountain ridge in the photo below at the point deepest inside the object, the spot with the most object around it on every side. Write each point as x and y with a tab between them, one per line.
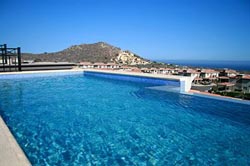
96	52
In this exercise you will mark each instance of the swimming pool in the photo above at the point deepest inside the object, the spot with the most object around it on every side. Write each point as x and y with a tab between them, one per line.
77	119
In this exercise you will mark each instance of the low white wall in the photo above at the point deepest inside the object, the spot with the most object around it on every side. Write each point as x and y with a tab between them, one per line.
186	84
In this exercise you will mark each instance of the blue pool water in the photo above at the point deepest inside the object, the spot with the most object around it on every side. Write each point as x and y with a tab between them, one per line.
87	120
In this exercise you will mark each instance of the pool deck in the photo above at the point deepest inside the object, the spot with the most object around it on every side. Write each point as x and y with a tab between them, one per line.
10	152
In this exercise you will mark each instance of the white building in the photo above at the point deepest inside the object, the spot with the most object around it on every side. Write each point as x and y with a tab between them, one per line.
208	73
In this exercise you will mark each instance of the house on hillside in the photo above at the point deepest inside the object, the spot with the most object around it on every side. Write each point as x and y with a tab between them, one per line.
243	84
112	66
225	86
145	70
209	73
153	70
135	69
207	76
222	79
189	72
228	73
99	65
164	71
86	65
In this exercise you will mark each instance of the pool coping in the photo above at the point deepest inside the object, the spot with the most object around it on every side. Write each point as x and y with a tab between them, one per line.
11	153
218	97
39	71
128	73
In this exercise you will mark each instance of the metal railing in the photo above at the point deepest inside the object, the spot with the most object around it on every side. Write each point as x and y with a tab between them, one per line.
10	58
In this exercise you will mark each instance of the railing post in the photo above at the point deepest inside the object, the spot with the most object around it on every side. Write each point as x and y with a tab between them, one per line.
5	52
19	59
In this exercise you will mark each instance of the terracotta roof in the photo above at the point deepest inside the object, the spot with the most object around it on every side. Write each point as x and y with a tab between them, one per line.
225	84
209	71
99	63
234	77
112	64
229	71
86	63
198	79
223	77
246	77
212	78
191	71
125	67
135	68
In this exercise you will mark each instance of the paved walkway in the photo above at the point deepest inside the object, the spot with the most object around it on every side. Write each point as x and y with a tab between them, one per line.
10	152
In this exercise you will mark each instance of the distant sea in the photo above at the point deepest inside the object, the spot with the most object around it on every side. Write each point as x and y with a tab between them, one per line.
236	65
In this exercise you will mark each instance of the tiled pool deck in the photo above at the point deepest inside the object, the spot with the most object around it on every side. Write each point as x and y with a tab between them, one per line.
10	152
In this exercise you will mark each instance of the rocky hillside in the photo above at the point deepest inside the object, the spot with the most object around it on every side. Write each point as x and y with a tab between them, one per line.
97	52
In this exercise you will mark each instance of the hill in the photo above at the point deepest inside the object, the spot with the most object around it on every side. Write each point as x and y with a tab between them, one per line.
97	52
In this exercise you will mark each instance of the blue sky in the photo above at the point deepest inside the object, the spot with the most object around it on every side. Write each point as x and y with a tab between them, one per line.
154	29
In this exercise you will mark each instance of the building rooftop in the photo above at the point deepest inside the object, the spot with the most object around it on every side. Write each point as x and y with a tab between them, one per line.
111	63
86	63
246	77
209	71
99	63
223	77
226	84
191	71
